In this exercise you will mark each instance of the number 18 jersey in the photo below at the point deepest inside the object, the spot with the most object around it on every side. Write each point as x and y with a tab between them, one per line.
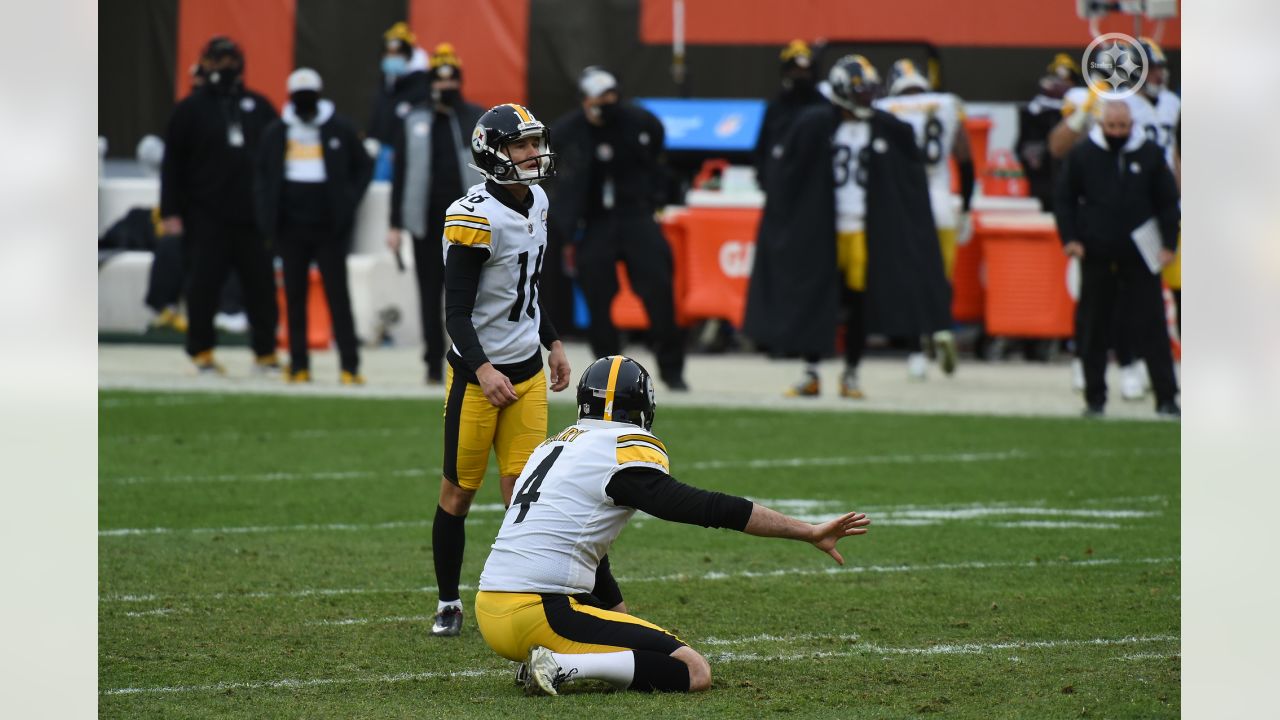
562	520
506	314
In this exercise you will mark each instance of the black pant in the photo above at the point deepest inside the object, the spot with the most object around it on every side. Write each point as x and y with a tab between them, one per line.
634	238
213	250
164	282
428	264
1126	287
299	246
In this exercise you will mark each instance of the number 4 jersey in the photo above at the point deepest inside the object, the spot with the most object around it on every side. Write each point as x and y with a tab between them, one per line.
506	313
562	520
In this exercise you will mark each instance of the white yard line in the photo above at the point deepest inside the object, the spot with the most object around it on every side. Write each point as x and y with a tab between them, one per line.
234	435
722	657
676	577
269	477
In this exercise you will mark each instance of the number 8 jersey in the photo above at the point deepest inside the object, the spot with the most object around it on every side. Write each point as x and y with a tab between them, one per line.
506	313
562	520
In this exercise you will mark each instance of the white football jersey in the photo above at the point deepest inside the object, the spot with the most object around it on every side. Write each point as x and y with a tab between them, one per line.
847	148
935	118
561	520
1156	119
507	313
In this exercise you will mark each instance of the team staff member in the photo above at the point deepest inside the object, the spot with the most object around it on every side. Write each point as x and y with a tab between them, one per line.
797	92
577	493
494	242
206	194
432	157
405	82
312	173
611	180
1110	186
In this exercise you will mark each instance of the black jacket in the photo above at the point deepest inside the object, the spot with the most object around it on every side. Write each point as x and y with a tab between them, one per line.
778	117
793	301
394	102
347	169
1102	196
634	161
203	173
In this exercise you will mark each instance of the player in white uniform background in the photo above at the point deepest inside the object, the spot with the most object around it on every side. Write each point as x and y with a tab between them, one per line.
494	241
938	121
1155	110
576	494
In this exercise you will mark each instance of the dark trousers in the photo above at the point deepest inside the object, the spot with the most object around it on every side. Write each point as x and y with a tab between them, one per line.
300	245
1124	287
214	250
164	282
428	264
635	239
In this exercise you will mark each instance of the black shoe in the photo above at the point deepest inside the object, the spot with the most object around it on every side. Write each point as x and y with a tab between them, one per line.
1094	411
676	384
1169	410
448	623
435	376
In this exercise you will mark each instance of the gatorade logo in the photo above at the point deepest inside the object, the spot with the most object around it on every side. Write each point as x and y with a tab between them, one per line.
736	257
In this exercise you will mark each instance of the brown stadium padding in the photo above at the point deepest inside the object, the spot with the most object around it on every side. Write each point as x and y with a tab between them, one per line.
264	29
491	38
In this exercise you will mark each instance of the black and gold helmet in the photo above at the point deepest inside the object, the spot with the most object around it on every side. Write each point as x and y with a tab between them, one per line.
504	124
618	389
854	83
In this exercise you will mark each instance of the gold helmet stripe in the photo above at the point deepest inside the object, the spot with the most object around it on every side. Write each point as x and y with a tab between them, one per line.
611	387
524	114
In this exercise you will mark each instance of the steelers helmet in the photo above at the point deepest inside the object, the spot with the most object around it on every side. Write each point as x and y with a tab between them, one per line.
504	124
854	83
618	389
1156	61
904	76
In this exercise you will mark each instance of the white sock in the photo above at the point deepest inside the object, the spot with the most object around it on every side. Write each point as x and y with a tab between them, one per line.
442	604
616	668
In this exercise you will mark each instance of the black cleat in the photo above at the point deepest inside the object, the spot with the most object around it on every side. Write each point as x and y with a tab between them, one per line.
1169	410
448	623
1094	411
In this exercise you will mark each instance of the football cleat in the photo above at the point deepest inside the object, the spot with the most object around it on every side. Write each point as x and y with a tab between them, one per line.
267	365
522	674
349	378
917	366
297	376
849	387
1132	386
205	364
808	387
1169	410
170	318
945	342
448	623
544	674
1094	412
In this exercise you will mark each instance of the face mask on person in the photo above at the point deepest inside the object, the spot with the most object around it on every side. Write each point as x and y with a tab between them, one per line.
394	65
224	80
1116	143
448	96
306	104
609	113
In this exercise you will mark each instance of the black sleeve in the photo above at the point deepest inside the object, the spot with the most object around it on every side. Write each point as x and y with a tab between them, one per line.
1064	200
606	589
1165	200
664	497
361	163
172	201
966	183
461	282
546	331
397	177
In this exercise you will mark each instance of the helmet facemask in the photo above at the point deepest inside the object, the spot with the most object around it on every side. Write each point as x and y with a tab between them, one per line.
505	171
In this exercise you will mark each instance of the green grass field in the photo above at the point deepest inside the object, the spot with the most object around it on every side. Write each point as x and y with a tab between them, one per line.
270	557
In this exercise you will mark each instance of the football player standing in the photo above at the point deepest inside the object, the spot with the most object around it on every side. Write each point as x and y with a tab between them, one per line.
494	241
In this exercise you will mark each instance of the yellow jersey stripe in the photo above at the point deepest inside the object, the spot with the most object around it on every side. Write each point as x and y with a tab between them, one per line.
611	387
642	438
468	218
524	114
462	235
642	454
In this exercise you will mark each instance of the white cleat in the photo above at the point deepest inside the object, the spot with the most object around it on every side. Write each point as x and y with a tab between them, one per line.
1132	380
543	675
917	366
945	342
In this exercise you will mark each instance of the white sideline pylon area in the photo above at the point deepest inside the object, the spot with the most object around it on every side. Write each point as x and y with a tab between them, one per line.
732	380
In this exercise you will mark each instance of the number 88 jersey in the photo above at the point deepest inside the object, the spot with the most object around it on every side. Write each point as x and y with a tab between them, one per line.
562	520
506	314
